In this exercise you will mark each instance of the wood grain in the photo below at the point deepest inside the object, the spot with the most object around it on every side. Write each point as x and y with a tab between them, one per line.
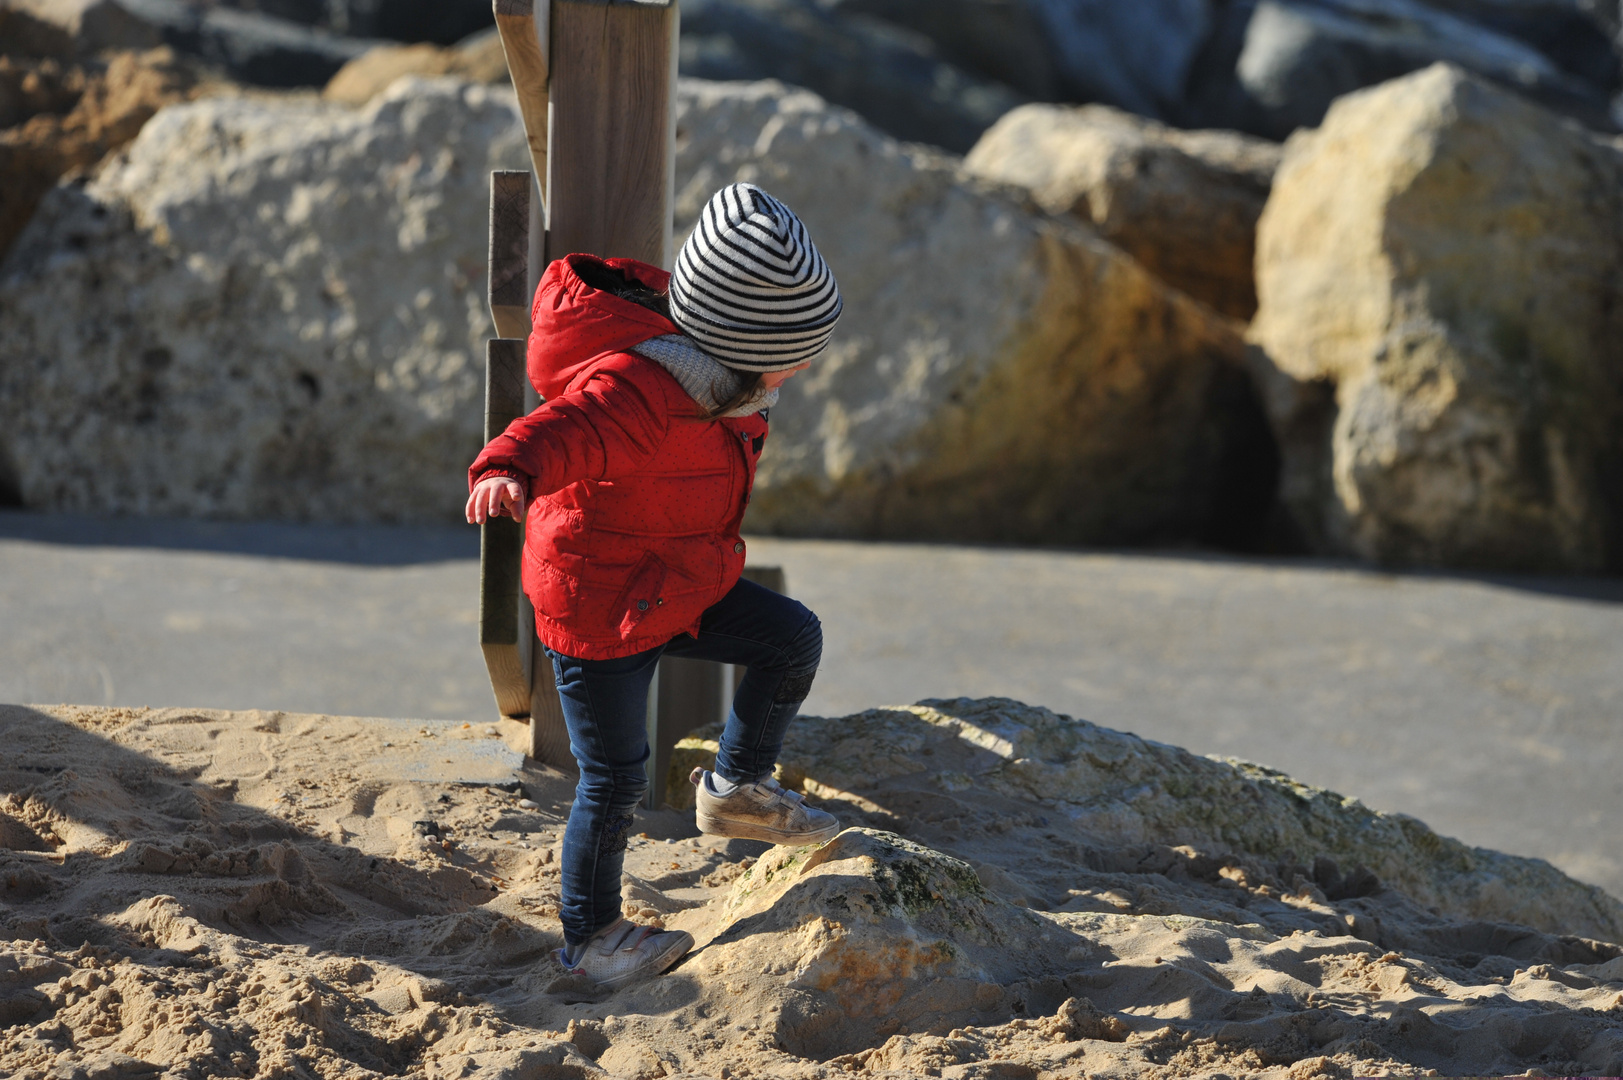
688	697
510	252
612	153
549	737
523	26
501	544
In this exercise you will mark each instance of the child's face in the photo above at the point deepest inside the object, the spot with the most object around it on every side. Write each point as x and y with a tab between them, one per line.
778	378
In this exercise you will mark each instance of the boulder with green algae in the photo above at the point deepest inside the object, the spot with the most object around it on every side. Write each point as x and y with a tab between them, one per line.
1117	788
873	934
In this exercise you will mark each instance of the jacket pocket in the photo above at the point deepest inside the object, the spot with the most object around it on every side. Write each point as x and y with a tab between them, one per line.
641	594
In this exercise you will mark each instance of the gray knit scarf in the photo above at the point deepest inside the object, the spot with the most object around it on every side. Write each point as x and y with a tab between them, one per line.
707	380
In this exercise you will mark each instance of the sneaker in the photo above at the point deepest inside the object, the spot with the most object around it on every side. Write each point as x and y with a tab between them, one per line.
624	952
764	810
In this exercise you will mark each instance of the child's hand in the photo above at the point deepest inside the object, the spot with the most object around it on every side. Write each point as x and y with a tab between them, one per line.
494	497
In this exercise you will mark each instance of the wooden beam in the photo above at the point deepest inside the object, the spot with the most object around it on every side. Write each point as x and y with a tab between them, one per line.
501	545
612	134
510	195
524	26
549	737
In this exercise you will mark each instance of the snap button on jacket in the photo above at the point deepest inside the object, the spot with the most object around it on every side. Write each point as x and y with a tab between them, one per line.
634	501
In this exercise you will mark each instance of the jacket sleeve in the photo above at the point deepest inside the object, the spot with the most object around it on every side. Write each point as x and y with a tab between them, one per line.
608	428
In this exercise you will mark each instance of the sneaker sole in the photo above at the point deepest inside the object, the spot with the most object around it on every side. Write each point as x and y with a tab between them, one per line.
657	966
743	830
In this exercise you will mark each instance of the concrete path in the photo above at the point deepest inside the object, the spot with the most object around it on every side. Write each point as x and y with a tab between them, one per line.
1491	709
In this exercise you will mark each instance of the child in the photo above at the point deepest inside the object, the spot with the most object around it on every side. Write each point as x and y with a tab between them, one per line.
635	472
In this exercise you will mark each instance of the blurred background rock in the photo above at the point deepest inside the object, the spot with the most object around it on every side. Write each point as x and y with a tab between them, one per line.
1128	315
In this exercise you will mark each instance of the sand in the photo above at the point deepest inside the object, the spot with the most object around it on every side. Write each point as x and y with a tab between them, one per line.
196	893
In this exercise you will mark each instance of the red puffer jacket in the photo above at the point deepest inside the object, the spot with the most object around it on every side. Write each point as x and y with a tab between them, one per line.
634	500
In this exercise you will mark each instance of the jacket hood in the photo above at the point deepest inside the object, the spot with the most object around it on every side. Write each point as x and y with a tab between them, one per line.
573	324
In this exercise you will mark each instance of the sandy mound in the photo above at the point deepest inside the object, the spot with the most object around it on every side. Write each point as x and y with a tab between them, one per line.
203	893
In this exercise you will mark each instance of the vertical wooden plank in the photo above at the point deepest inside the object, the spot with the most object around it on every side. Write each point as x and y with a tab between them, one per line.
501	543
510	252
689	694
611	148
771	577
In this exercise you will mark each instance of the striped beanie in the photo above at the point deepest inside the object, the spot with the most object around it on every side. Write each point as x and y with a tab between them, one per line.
750	287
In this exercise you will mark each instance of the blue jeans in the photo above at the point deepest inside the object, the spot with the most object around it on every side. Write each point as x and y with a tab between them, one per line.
605	706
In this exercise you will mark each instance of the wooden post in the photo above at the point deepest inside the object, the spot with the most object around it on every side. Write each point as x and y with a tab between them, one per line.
596	86
510	198
501	638
612	137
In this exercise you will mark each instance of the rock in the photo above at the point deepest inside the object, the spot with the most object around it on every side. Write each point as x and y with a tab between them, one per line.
997	374
1441	312
479	59
1580	36
71	118
1299	56
265	309
73	28
1185	204
1116	788
251	47
893	77
1004	40
1137	56
875	933
352	322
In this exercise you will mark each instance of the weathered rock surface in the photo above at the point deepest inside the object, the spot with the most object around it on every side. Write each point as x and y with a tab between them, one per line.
1183	203
266	309
1120	790
480	59
59	118
996	374
1440	271
891	75
1058	879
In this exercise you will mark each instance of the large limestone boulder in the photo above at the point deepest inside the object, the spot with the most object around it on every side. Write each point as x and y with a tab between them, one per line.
1441	279
1184	203
263	310
997	374
276	310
